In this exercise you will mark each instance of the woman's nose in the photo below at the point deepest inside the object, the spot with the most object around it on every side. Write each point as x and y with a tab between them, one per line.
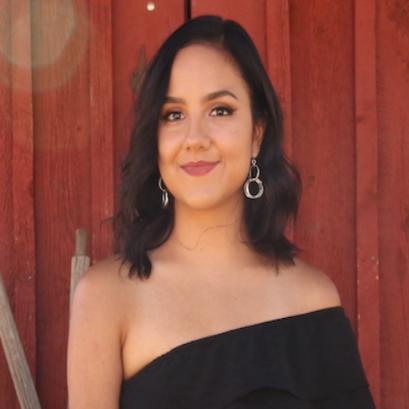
197	134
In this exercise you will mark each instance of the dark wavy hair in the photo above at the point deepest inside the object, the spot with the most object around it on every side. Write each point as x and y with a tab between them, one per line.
141	223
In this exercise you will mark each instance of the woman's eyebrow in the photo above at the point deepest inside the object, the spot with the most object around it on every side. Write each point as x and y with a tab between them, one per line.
209	97
174	100
221	93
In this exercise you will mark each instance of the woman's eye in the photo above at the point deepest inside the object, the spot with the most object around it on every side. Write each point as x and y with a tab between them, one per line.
221	111
173	116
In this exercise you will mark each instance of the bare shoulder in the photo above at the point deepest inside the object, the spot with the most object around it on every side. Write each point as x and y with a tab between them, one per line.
102	292
102	282
313	288
96	336
108	270
100	296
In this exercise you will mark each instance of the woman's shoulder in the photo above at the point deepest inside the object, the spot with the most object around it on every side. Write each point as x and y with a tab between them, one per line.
103	285
96	335
105	274
312	288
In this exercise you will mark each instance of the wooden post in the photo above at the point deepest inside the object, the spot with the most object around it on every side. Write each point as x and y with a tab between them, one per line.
17	362
80	262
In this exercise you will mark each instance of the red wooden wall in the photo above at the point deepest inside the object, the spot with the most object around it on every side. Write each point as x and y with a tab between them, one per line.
341	68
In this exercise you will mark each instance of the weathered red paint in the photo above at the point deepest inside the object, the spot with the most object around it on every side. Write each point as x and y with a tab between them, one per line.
17	211
7	255
366	191
101	127
392	36
63	170
322	89
23	179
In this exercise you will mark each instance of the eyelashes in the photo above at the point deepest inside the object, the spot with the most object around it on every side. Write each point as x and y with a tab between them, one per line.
222	111
175	115
172	116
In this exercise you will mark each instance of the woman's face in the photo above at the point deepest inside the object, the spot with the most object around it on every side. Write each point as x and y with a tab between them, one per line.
206	134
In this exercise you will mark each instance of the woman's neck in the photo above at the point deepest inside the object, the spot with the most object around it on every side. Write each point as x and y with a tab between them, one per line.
200	234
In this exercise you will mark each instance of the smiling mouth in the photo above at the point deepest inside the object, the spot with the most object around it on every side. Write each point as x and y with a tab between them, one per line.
199	168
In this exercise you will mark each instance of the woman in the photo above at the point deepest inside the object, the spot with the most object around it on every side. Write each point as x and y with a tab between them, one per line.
208	306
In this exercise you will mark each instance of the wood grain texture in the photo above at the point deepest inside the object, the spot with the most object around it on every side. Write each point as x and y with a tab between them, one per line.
279	58
17	245
23	181
63	182
393	190
367	192
101	128
17	362
8	396
322	85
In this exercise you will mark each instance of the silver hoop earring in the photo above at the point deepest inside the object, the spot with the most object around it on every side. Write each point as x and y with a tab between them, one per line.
254	179
165	194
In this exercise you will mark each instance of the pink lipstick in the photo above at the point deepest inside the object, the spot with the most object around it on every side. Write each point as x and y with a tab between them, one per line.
199	168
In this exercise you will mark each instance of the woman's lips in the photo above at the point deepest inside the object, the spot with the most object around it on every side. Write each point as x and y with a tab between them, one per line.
199	168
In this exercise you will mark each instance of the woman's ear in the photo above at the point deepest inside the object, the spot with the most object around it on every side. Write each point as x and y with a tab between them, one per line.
258	134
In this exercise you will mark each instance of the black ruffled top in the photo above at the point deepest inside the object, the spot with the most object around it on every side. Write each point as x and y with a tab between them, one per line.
308	361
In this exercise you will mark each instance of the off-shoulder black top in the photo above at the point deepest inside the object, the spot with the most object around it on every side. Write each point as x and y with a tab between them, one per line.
308	361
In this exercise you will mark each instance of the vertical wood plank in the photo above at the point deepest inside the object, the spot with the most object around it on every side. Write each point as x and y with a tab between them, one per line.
366	191
323	130
392	35
101	127
279	65
135	26
8	397
23	175
62	169
279	58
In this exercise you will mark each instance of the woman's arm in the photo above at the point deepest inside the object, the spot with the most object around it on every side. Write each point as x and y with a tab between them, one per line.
94	346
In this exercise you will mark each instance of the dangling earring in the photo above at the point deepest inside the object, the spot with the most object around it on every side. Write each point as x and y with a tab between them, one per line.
255	179
165	194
